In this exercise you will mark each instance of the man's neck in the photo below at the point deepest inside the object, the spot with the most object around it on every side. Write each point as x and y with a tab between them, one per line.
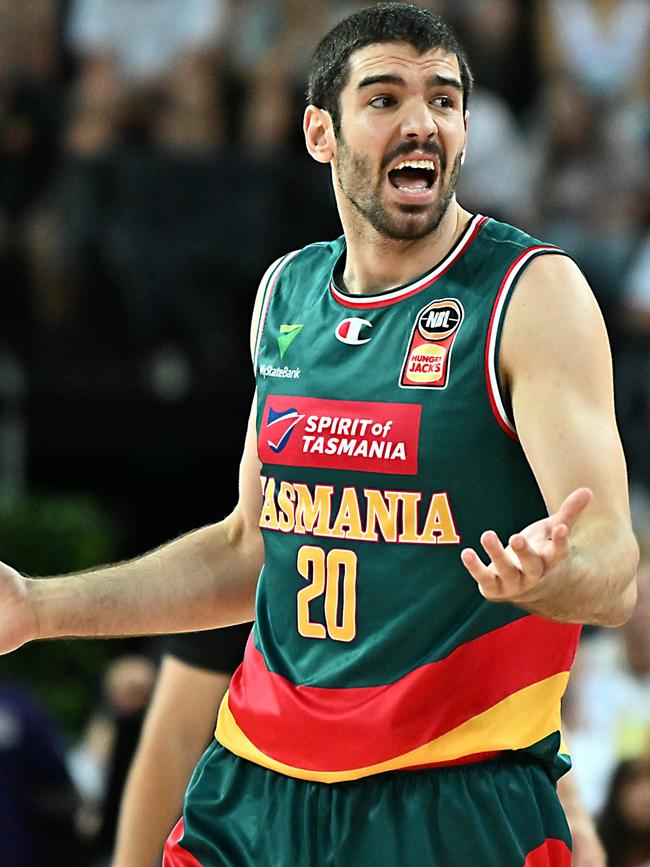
375	263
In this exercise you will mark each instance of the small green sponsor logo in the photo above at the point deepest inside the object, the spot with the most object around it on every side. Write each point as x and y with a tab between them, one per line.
288	334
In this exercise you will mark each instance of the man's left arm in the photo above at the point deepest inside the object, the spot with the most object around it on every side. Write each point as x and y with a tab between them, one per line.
577	564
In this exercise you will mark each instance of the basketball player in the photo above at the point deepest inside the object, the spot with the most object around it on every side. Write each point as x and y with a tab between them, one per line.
194	675
432	385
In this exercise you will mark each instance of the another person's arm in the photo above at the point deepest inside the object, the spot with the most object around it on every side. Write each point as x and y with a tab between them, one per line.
587	849
579	563
179	724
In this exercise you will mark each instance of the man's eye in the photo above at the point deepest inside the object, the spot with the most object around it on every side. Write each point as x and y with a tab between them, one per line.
443	101
382	101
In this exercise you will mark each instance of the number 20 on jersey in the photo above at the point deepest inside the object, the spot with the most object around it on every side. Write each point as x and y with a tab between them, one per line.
334	575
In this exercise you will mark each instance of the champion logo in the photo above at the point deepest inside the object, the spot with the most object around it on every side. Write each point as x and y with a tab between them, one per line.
280	425
349	331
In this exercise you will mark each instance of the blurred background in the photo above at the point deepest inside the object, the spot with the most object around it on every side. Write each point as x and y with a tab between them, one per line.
151	167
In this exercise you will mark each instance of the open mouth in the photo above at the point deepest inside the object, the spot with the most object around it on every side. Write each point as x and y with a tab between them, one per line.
413	175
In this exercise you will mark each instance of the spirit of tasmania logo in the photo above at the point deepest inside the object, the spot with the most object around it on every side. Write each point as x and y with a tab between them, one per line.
279	427
340	434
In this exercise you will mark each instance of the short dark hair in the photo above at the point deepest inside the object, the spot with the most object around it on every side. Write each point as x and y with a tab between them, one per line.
383	22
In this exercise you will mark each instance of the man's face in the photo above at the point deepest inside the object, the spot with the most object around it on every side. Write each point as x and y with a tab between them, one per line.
403	131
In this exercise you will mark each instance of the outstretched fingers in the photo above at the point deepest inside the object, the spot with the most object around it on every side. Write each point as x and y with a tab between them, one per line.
531	560
478	570
530	554
502	576
505	565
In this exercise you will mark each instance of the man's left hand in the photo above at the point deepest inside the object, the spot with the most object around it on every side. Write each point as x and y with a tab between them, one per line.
514	573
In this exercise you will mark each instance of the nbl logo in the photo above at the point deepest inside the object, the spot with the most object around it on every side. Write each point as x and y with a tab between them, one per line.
440	319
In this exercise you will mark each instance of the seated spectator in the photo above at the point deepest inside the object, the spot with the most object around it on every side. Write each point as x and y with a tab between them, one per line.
624	824
608	703
603	44
588	185
38	800
148	70
497	139
636	299
101	761
269	54
496	34
147	82
632	369
30	118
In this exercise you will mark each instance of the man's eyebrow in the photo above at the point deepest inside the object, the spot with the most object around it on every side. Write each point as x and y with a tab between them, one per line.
382	78
392	78
445	81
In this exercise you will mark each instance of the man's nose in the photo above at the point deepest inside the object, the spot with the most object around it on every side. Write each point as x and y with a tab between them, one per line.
418	121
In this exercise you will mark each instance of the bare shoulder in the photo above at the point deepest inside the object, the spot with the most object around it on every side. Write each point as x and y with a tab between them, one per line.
551	278
553	319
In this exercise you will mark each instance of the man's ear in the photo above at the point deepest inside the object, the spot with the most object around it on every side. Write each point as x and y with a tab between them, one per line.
462	156
319	134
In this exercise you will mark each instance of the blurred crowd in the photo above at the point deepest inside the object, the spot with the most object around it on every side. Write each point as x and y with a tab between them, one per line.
151	167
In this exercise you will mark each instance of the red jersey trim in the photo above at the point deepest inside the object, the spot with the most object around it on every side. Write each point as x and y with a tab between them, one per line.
491	362
370	302
463	760
297	724
524	718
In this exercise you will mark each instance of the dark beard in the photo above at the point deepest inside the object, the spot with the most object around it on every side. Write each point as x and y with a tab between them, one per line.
368	204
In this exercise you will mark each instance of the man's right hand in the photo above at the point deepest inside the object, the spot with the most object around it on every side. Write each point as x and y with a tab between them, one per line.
18	620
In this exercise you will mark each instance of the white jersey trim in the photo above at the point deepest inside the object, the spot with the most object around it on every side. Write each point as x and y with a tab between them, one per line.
508	283
382	299
266	288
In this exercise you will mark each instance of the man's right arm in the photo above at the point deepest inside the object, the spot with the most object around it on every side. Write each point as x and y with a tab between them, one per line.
202	580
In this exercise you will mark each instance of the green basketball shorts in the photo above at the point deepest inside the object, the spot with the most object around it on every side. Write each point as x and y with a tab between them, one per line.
499	813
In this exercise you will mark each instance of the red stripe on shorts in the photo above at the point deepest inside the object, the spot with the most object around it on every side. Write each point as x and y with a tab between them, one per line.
552	853
175	855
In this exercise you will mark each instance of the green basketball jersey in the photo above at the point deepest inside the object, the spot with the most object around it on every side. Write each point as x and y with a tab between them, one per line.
386	444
